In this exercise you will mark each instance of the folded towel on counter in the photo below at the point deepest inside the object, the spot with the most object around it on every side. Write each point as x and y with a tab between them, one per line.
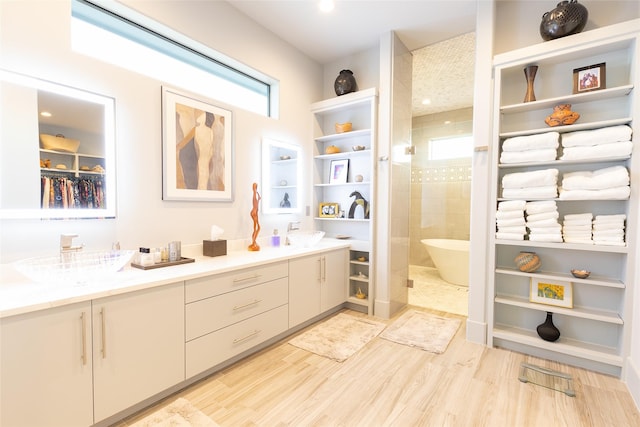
542	223
551	237
511	222
544	155
543	215
520	229
615	176
538	178
541	206
578	241
579	217
617	193
603	151
610	218
512	205
597	136
548	192
531	142
509	214
509	236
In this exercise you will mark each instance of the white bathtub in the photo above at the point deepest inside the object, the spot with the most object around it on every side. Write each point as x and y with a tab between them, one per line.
451	258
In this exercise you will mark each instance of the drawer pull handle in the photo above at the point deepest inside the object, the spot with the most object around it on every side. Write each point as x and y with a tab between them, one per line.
246	337
244	279
240	307
83	321
104	333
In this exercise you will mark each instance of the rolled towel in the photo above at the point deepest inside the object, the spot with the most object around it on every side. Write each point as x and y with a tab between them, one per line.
543	215
544	155
614	176
541	206
542	223
538	178
601	151
511	222
512	205
548	192
551	237
617	193
578	217
597	136
509	236
509	214
520	229
609	218
531	142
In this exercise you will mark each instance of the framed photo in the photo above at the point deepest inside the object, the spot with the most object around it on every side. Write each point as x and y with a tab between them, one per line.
328	210
589	78
197	149
551	292
338	172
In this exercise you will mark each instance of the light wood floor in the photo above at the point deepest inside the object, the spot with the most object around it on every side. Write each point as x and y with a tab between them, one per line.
388	384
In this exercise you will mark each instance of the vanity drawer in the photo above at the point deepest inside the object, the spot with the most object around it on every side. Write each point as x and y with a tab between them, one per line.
214	313
205	287
214	348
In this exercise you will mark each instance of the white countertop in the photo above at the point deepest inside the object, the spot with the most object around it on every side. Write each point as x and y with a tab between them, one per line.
19	294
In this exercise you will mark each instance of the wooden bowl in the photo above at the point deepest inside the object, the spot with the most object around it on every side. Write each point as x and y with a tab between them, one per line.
343	127
580	274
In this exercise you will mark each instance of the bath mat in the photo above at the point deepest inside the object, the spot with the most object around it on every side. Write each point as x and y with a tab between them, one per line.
180	413
423	330
338	337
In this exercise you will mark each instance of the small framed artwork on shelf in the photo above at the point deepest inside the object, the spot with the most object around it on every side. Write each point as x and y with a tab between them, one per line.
339	171
592	77
558	293
328	210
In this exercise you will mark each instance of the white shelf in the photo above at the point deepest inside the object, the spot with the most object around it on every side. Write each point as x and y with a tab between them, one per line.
343	154
344	135
569	246
356	262
584	313
319	218
568	128
560	163
346	184
359	279
591	280
359	301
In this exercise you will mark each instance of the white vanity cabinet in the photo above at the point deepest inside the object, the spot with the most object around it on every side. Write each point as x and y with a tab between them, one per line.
138	346
317	283
46	368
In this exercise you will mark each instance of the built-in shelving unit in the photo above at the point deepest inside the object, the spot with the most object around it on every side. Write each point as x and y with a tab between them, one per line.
355	194
595	332
75	163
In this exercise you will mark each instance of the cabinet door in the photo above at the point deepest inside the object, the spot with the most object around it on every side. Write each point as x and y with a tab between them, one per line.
45	366
304	289
138	346
334	279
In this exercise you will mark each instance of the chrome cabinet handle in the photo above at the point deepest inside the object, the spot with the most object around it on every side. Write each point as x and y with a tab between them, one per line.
324	269
320	270
254	302
104	329
246	337
244	279
83	322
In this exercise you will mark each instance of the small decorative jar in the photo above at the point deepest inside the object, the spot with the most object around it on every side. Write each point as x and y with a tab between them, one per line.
569	17
528	262
345	83
562	115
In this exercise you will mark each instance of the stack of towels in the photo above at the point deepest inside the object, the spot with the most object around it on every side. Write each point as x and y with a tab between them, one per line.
530	148
576	228
609	230
542	221
610	183
510	220
613	141
539	184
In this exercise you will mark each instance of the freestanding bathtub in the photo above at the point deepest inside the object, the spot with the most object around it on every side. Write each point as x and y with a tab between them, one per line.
451	258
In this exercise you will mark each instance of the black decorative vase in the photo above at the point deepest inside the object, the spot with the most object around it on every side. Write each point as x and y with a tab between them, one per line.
345	83
569	17
548	330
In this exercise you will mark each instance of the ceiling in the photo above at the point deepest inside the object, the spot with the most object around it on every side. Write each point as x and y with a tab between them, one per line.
442	71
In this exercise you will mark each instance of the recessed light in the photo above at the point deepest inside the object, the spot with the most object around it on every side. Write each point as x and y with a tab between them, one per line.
426	101
326	6
447	122
45	114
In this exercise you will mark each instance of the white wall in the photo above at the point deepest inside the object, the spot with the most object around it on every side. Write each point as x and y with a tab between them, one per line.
34	40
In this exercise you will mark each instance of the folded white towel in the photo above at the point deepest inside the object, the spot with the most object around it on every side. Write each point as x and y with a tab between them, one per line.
509	236
552	237
582	216
597	136
541	206
537	178
531	142
608	226
605	243
576	237
601	151
512	205
548	192
511	222
578	234
520	229
617	193
509	214
542	223
545	230
614	176
543	215
608	233
609	218
606	240
576	223
544	155
579	241
572	228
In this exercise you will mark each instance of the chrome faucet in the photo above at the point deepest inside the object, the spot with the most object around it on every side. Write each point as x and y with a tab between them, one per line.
295	225
66	243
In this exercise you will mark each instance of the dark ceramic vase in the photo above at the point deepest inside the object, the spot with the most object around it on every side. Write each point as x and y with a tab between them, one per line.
548	330
345	83
569	17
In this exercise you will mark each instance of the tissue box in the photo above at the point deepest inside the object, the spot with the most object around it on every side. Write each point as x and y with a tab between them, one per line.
214	247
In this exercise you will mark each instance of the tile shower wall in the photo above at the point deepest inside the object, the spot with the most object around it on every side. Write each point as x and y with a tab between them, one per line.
440	189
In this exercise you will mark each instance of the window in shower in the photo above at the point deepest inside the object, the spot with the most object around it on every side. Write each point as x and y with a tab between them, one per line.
451	147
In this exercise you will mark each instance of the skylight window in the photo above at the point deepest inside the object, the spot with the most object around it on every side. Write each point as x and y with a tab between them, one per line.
115	34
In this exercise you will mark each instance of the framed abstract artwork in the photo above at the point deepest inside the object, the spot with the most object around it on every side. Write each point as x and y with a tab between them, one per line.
558	293
197	149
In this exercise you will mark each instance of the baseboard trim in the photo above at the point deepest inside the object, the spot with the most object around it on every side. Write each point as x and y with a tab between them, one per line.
632	379
382	309
477	332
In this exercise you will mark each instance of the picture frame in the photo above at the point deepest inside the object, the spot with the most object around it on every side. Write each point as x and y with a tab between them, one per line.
557	293
339	171
590	78
328	210
192	125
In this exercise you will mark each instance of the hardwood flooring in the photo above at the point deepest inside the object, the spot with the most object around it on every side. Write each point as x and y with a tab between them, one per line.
388	384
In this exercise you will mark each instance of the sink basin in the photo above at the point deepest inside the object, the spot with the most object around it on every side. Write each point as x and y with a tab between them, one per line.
74	267
304	239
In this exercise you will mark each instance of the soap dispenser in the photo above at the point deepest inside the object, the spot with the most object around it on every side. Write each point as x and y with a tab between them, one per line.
275	239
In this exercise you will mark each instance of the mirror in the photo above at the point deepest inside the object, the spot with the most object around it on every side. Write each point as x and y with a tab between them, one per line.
281	177
57	150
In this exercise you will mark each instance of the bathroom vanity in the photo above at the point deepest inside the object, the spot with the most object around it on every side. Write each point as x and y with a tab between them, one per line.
80	355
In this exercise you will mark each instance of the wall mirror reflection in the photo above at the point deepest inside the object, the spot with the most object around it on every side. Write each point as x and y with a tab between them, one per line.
281	177
57	150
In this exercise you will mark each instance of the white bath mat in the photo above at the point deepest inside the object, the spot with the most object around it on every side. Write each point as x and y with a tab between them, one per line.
338	337
180	413
423	330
